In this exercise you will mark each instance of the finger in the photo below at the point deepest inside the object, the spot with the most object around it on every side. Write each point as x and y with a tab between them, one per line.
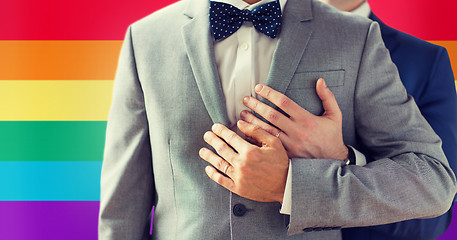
219	178
229	136
328	100
224	150
257	133
253	141
282	101
271	115
250	118
216	161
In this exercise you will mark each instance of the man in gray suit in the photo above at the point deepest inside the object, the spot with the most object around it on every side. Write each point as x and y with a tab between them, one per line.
178	78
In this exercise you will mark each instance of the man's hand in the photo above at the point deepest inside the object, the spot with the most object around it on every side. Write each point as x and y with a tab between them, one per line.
257	173
303	134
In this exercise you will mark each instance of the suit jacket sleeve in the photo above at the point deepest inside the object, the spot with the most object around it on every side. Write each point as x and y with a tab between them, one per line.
127	185
410	178
438	104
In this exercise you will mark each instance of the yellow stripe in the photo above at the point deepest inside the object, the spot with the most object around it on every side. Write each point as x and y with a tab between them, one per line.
37	100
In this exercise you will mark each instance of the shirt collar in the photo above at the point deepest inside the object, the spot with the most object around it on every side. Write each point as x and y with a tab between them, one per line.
240	4
363	10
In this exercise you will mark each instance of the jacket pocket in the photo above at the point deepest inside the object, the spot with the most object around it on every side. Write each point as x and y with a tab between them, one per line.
301	80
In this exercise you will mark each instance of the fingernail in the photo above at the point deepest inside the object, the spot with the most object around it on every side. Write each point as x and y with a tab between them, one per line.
201	152
206	135
258	88
241	122
215	127
243	113
207	169
323	82
246	99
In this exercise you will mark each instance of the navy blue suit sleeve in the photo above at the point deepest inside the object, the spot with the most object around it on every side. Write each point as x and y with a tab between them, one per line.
438	104
416	229
437	100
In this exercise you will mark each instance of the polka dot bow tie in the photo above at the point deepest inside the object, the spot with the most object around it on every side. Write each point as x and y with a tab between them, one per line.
226	19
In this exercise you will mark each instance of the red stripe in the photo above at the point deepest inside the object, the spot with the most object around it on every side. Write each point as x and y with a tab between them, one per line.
426	19
108	19
72	20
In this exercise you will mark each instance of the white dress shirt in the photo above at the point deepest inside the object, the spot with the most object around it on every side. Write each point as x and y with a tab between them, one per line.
243	61
363	10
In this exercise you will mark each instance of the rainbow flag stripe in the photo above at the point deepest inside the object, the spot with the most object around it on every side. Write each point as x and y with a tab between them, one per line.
47	100
50	181
58	60
32	141
49	220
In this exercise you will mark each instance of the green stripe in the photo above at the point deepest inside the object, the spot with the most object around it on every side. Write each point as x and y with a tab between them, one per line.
52	140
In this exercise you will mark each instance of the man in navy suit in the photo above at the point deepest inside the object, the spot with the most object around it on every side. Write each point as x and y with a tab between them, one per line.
426	72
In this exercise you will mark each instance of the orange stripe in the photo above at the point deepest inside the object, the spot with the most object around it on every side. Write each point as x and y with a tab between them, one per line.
58	60
82	60
451	47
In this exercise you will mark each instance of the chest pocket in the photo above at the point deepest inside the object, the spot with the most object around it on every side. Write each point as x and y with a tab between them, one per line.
302	88
333	78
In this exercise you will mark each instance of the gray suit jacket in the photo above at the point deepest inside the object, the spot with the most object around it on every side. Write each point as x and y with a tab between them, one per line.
167	93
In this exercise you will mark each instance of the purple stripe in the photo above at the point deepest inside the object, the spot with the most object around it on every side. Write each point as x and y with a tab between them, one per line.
74	221
49	220
152	221
451	232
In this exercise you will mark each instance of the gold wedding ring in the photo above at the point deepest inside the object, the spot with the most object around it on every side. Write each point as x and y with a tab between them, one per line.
225	168
277	134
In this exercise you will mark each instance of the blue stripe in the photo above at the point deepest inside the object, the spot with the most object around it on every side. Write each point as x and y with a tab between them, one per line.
50	181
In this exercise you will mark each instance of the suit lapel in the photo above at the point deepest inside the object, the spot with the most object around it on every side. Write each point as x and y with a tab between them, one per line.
200	50
293	39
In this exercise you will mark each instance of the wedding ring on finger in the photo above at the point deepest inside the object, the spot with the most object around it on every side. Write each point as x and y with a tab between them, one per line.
277	134
225	168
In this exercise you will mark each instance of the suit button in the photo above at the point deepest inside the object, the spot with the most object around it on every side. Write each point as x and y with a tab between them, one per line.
327	228
239	210
308	230
318	229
